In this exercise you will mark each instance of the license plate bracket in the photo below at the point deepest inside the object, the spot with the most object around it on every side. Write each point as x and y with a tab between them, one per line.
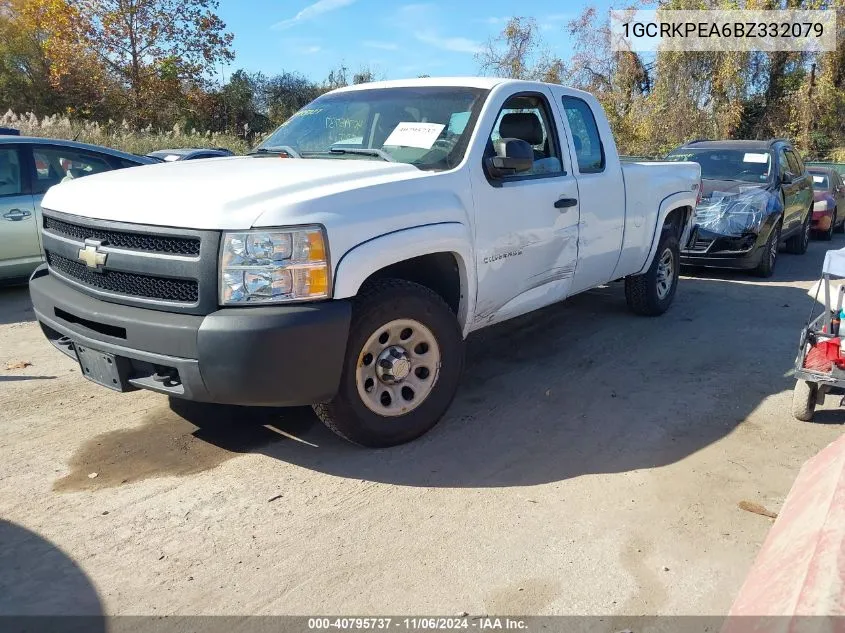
102	368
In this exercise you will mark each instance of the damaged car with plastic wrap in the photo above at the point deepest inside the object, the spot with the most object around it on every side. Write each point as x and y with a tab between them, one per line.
756	195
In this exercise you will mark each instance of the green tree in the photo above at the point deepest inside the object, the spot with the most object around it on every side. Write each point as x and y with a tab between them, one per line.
154	46
518	52
45	67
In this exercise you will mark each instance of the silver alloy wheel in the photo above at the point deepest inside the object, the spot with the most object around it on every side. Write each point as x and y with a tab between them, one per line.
665	273
807	229
397	367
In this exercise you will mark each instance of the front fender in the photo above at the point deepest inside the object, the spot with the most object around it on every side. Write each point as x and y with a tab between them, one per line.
667	205
361	261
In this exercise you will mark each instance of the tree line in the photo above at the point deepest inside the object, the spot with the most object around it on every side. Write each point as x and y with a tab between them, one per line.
158	65
153	64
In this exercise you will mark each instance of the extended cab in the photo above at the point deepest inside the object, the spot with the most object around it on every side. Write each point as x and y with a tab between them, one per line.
345	261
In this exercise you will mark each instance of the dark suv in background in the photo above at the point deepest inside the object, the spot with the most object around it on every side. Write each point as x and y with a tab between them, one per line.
755	195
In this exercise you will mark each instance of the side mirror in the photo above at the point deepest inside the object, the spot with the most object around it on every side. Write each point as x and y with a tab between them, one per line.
786	178
513	155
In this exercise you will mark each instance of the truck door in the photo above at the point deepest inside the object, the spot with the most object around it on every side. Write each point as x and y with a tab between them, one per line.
526	224
601	189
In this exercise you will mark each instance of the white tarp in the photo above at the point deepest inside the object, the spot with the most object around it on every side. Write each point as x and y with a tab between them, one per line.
834	263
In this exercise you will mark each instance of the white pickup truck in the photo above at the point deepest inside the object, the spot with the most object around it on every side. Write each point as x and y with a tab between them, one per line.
343	263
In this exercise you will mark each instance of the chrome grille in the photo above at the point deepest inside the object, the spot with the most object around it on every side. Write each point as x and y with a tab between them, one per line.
162	288
122	239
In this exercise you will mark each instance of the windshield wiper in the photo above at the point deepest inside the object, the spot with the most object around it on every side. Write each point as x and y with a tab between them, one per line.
276	149
364	152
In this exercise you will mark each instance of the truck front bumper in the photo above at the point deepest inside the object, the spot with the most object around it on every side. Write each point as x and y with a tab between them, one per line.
256	356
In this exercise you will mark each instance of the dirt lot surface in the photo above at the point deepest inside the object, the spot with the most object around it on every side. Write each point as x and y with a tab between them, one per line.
592	463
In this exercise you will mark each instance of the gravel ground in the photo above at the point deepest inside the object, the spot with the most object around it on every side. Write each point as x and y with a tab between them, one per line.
592	463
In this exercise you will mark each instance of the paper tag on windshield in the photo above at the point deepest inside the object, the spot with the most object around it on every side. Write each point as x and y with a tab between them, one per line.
753	157
410	134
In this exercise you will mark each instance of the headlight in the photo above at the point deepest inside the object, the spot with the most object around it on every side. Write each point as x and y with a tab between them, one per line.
734	214
273	266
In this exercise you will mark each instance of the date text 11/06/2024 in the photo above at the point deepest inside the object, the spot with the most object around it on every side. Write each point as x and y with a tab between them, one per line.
485	623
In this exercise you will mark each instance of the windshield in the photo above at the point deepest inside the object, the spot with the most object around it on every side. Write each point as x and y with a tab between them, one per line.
428	127
821	181
728	164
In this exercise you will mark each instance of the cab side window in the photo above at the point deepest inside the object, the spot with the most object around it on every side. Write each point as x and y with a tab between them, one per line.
11	182
526	117
585	135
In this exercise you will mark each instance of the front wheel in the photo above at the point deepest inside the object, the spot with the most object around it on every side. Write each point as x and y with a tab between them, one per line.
402	367
804	400
766	267
651	293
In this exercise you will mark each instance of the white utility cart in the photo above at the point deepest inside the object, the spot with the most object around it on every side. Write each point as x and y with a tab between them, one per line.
820	365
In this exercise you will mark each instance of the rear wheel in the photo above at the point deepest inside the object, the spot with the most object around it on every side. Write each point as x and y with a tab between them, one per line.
402	366
797	244
841	227
766	267
804	400
651	293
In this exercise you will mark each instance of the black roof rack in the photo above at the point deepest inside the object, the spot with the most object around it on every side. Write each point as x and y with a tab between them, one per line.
9	131
698	140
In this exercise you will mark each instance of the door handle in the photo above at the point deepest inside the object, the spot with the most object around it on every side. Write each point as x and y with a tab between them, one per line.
565	203
16	214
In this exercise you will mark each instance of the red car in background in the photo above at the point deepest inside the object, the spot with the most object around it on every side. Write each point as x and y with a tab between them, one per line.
829	201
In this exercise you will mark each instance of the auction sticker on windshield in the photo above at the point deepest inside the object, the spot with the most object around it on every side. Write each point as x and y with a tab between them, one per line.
410	134
753	157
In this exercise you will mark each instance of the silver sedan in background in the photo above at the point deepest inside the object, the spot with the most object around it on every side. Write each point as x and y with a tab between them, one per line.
28	167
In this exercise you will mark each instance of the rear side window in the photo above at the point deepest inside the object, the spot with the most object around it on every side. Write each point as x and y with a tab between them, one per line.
11	182
57	164
585	135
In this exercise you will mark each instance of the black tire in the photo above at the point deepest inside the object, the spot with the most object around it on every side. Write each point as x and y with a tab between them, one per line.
797	244
840	228
766	267
377	305
804	400
641	291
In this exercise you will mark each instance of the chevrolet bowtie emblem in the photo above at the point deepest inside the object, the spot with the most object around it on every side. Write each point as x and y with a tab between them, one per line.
91	256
